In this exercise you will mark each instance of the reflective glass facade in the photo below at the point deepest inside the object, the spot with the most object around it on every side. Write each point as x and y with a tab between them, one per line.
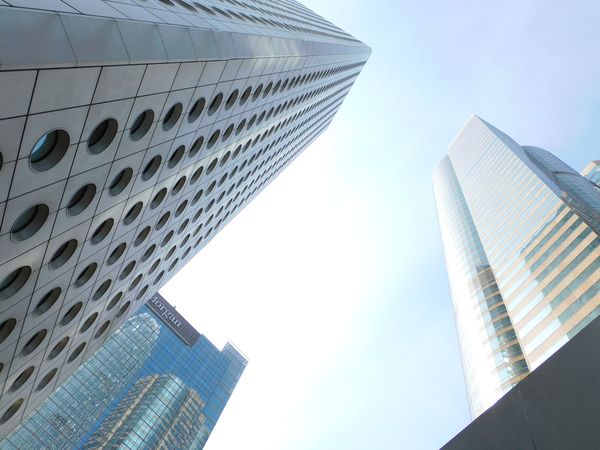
492	357
156	383
535	222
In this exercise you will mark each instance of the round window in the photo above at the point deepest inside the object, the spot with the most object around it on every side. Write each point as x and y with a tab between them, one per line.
49	150
30	222
102	136
81	199
141	125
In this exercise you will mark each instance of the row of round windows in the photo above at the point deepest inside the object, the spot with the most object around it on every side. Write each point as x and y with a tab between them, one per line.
214	184
17	279
47	301
265	177
50	149
285	158
8	326
33	219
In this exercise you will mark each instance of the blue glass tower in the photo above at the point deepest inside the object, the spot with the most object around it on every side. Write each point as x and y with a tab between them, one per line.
157	383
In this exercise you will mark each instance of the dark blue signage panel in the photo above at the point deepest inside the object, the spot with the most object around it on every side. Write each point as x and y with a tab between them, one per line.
172	319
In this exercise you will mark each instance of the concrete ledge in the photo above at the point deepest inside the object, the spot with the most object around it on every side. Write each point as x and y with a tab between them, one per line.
36	39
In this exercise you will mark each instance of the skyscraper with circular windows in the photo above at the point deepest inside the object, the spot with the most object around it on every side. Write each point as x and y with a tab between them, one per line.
130	134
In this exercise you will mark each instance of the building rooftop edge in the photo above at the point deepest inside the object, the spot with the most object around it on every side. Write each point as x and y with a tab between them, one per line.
237	349
473	117
58	40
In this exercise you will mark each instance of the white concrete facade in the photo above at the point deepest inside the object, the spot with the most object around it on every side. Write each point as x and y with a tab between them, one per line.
131	132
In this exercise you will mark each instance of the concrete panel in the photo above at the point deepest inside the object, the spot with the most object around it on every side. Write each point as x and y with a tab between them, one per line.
15	92
64	88
119	82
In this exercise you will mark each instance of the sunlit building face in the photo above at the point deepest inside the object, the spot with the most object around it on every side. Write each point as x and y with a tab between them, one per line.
520	233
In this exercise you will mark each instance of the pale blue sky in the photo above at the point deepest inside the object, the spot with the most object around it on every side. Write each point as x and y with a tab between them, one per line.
333	280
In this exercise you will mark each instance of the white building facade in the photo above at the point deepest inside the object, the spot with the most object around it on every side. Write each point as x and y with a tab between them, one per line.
131	132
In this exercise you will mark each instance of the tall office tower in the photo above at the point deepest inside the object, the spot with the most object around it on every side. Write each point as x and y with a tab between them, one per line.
493	361
130	134
520	233
155	383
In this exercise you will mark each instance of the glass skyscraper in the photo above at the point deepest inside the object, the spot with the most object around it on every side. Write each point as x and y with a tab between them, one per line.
156	383
520	233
